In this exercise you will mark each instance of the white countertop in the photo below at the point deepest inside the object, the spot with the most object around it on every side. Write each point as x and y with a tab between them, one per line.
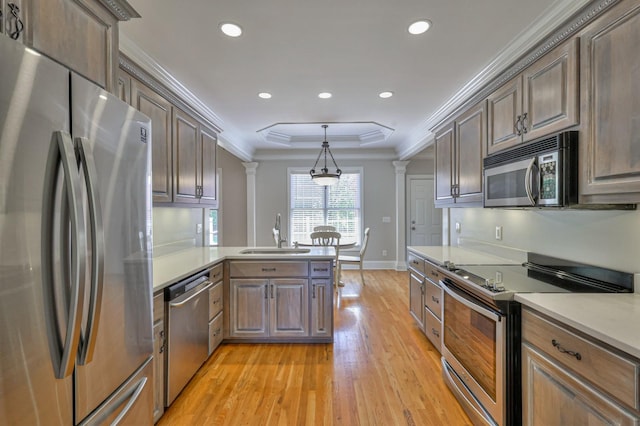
172	267
611	318
459	256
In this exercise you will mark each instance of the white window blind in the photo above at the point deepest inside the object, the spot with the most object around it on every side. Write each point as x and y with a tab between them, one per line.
338	205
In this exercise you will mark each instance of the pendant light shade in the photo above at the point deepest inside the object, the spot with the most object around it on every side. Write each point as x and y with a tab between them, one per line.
324	178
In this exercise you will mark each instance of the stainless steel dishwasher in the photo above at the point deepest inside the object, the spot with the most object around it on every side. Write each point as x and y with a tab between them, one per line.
188	331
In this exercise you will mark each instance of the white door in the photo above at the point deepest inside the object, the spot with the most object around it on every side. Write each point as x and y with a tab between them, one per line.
425	221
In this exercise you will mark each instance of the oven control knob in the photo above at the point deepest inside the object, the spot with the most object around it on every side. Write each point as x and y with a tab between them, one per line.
490	283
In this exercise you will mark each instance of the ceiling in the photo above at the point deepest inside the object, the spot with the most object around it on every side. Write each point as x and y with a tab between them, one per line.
354	49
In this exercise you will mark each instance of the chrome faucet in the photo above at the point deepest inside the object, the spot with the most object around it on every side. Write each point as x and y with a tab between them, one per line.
276	232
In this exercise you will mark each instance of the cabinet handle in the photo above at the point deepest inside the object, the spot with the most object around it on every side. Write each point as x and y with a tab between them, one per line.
215	302
313	291
266	291
518	125
435	299
422	289
216	333
272	286
525	120
15	23
320	269
434	273
562	350
435	332
269	269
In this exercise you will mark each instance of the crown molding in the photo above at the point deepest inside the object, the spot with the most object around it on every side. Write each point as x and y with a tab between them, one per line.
309	155
121	9
558	23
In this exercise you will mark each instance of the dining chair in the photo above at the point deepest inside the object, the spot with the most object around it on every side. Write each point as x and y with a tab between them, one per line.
359	260
329	238
324	228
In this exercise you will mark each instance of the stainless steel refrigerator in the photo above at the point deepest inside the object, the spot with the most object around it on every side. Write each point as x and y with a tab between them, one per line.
75	249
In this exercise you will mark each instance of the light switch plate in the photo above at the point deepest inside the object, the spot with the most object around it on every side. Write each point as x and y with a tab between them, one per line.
498	232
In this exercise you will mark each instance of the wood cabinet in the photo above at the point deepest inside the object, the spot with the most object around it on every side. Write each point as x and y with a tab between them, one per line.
425	297
216	303
542	99
80	34
280	301
158	109
194	160
610	140
570	379
459	150
158	356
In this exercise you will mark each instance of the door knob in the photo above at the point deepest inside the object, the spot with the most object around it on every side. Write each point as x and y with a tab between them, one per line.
413	228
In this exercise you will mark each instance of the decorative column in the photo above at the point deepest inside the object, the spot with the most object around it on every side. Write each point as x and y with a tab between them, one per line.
250	170
401	232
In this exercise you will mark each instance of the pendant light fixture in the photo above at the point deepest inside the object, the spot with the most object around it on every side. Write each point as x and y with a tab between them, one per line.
325	178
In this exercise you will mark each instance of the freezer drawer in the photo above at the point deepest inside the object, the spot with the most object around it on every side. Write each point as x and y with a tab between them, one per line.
131	404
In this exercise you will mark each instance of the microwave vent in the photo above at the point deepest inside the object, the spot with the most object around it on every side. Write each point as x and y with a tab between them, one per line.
531	149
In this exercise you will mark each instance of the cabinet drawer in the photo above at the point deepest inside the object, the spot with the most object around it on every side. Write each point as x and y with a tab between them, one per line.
215	273
271	269
431	272
611	372
215	300
433	329
321	269
433	298
215	333
158	307
415	262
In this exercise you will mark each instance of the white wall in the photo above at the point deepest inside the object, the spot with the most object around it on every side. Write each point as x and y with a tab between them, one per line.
378	194
174	228
605	238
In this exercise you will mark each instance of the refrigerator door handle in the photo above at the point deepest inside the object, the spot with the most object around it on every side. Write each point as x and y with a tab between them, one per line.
63	349
85	157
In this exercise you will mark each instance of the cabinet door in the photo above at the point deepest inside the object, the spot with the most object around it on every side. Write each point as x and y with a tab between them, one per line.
158	109
209	192
123	87
289	315
504	107
550	95
185	157
444	173
80	34
249	308
158	370
471	137
610	142
416	298
321	308
552	395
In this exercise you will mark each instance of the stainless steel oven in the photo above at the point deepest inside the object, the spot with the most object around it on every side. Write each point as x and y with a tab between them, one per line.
481	327
473	354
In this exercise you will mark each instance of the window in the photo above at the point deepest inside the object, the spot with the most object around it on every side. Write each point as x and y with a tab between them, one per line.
312	205
213	227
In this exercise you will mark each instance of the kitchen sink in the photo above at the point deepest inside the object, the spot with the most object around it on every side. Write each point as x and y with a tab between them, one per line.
275	250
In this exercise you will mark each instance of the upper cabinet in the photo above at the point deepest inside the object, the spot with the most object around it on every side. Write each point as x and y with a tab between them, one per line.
459	150
184	148
80	34
542	99
610	137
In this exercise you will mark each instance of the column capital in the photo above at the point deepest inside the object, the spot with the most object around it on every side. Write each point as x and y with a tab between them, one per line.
250	168
401	166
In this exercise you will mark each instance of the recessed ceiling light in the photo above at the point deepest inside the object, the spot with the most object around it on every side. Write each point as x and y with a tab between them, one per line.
419	27
232	30
324	95
264	95
385	95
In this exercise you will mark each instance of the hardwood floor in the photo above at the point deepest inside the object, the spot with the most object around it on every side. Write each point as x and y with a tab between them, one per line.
380	370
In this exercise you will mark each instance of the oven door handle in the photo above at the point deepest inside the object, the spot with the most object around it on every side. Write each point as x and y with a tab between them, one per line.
479	309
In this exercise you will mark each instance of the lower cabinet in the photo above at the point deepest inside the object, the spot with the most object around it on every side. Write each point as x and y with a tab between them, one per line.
416	298
158	356
571	379
280	308
215	308
425	298
269	307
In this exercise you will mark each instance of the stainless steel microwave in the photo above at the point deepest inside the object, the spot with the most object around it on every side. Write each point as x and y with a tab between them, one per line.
540	173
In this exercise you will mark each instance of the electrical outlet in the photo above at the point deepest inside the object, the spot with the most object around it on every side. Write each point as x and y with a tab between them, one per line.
498	232
198	228
384	253
458	227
